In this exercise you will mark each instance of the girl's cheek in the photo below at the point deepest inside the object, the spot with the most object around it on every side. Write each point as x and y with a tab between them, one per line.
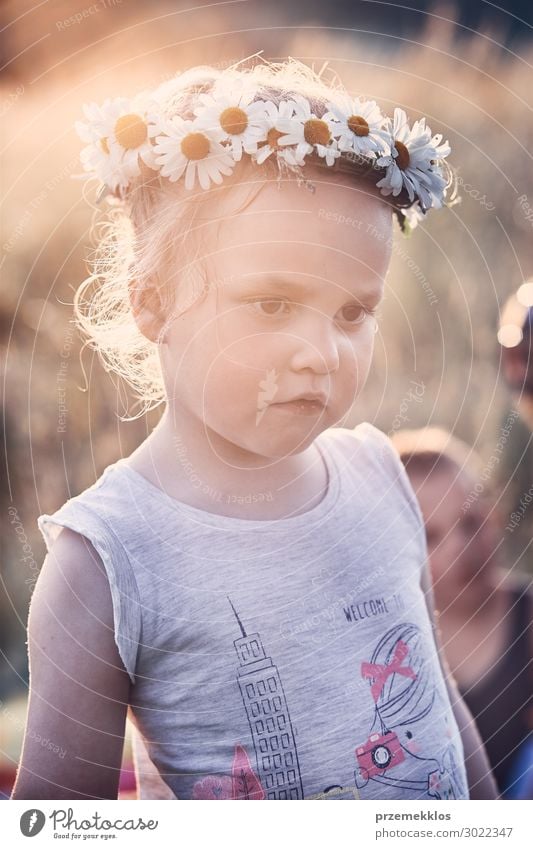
358	357
362	342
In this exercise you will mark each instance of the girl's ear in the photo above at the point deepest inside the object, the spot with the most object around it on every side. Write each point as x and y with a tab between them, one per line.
146	307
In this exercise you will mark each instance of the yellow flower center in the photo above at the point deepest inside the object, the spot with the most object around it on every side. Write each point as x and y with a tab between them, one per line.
131	131
403	158
104	145
316	131
234	120
195	146
358	125
272	137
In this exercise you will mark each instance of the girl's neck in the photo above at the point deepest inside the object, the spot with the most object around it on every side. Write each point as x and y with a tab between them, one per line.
206	472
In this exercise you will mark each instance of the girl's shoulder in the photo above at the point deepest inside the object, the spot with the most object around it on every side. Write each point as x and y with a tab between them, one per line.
98	507
366	442
374	459
102	514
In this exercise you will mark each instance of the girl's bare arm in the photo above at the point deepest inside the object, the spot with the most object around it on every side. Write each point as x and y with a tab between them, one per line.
79	689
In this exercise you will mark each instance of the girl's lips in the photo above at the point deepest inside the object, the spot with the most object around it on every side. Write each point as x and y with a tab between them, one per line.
301	407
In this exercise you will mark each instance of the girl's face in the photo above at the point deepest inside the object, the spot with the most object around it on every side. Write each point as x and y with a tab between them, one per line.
293	281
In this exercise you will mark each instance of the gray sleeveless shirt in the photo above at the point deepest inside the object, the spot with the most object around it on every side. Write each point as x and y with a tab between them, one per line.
277	659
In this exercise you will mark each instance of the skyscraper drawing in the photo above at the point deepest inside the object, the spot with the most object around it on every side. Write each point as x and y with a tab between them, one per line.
268	715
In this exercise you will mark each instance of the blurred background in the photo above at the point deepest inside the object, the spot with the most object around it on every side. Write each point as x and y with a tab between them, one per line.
466	66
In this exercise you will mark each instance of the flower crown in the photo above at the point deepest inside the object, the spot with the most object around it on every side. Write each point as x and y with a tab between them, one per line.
406	163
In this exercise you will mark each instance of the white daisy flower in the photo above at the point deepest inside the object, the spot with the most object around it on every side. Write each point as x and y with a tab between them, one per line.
308	133
110	170
95	157
274	115
413	215
357	125
186	147
117	136
443	150
230	114
412	162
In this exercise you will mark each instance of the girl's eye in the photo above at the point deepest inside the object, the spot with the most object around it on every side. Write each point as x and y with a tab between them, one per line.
355	314
269	307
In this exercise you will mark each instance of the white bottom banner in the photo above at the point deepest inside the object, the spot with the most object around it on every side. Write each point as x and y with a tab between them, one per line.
163	823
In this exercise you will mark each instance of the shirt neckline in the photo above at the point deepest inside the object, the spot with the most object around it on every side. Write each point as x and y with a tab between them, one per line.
319	511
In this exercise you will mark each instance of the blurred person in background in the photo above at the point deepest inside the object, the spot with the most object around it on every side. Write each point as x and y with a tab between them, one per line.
485	610
515	472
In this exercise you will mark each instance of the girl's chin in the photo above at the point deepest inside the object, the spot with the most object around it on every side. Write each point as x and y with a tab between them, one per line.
274	445
274	434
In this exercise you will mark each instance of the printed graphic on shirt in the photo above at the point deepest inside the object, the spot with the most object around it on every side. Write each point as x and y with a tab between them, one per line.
381	606
336	793
324	617
269	719
241	784
213	787
403	691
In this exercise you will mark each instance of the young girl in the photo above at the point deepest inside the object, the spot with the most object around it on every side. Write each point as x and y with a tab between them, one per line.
251	583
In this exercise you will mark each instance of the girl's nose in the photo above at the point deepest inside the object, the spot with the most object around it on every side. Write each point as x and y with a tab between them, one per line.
316	347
